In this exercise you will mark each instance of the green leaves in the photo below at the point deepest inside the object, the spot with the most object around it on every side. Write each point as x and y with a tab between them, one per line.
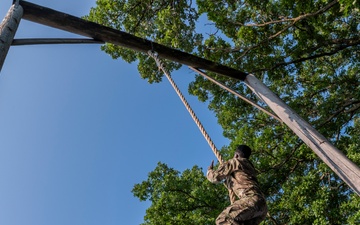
307	52
347	5
171	23
179	198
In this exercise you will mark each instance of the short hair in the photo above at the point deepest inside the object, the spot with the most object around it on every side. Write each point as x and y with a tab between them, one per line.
244	151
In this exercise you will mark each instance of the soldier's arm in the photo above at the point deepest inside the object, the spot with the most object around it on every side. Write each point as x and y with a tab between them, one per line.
225	169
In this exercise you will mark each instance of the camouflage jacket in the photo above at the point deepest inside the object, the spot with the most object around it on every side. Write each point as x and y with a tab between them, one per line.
240	178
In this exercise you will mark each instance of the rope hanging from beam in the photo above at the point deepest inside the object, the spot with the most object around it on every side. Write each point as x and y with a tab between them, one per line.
161	66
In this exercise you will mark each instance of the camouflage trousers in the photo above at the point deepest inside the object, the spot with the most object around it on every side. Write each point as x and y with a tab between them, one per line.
245	211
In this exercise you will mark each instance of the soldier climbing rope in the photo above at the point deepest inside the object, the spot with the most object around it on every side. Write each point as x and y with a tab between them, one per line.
345	168
239	173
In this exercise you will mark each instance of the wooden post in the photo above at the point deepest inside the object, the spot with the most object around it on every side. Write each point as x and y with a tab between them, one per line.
8	29
348	171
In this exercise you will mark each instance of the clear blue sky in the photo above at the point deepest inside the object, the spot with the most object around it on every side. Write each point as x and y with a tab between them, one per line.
79	129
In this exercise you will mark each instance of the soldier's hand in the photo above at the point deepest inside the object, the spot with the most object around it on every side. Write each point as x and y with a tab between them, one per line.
211	165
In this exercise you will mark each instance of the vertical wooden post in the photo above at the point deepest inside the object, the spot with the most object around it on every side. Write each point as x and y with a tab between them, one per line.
8	29
348	171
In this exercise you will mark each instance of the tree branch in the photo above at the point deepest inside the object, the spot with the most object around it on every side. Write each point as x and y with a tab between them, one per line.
287	159
343	109
293	22
340	47
192	197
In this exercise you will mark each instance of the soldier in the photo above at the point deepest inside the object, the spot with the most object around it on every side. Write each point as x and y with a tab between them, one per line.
240	179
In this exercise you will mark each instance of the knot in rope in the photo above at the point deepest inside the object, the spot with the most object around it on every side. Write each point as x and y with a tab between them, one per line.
156	57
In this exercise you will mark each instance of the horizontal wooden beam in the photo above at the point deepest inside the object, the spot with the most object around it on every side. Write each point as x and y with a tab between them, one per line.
66	22
43	41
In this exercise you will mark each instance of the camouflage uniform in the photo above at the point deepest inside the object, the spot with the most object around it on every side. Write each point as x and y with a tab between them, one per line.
240	178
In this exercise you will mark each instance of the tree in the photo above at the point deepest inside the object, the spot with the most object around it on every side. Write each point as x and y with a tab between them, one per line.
305	51
180	198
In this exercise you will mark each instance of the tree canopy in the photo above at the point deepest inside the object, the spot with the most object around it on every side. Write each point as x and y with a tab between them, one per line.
307	52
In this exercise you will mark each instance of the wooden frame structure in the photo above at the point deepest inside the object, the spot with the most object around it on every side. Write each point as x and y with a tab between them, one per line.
347	170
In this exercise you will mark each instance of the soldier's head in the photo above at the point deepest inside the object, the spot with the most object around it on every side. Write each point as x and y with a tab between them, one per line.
242	151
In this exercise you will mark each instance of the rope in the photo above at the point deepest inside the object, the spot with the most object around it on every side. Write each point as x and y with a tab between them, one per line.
235	93
161	66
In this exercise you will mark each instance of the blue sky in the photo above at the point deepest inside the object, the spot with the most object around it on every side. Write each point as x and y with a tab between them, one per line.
79	129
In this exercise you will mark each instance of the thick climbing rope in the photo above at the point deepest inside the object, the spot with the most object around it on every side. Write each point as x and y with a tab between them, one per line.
161	66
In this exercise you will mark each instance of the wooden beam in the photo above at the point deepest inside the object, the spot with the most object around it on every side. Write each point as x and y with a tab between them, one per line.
44	41
347	170
8	29
66	22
